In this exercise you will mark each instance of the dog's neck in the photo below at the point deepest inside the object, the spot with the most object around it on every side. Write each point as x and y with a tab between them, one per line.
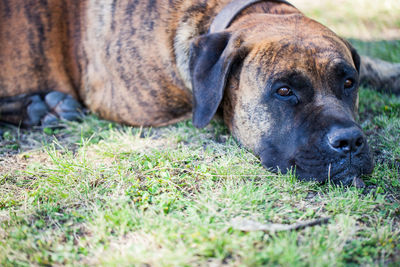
225	17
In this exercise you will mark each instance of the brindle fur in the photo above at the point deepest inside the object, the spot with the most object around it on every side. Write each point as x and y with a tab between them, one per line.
126	60
129	61
381	75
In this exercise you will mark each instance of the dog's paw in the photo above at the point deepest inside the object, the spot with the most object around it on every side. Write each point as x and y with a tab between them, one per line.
50	109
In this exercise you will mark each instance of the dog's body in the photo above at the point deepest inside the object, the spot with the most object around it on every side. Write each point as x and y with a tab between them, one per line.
117	57
137	62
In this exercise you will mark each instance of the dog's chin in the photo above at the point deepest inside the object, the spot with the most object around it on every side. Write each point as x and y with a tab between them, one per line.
320	174
336	171
328	174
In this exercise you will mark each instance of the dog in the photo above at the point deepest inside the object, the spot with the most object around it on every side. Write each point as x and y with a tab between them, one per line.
285	85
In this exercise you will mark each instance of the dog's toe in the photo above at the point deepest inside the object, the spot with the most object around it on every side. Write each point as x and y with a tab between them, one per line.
36	110
49	120
53	99
67	105
70	116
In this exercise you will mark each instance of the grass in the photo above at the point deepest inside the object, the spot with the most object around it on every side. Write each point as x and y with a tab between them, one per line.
98	193
361	19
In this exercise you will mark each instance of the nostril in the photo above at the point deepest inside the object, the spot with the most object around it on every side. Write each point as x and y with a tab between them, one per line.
340	144
360	142
343	144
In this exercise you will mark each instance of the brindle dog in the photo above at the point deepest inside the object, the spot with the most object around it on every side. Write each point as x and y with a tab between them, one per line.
287	86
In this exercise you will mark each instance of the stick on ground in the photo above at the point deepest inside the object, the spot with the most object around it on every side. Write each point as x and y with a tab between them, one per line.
246	225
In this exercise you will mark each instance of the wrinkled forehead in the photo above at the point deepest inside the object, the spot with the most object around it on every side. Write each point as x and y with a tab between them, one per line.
294	41
313	56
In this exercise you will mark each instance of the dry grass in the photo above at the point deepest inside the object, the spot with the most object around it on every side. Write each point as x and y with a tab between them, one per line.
360	19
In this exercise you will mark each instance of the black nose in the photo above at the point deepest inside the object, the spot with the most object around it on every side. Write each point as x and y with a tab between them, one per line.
346	140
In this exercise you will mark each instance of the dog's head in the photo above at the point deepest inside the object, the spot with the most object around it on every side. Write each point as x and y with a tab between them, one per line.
288	87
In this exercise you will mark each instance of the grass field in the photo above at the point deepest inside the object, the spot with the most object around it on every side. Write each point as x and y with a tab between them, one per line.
98	193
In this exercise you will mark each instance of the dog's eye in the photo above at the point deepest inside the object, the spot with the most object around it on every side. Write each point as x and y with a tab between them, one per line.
349	83
286	94
284	91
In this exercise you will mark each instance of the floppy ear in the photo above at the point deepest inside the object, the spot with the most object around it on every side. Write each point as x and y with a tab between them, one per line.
356	58
354	54
211	58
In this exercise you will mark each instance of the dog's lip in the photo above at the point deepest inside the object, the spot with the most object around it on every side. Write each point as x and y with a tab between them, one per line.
337	174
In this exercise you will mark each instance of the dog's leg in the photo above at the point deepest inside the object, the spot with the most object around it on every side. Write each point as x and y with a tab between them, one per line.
380	75
45	109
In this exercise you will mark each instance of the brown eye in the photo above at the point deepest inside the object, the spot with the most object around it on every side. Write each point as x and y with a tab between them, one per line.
348	84
284	91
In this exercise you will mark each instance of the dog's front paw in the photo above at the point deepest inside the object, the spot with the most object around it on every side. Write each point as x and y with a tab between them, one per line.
50	109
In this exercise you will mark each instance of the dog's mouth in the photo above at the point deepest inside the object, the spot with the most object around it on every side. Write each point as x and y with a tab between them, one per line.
313	164
328	172
323	167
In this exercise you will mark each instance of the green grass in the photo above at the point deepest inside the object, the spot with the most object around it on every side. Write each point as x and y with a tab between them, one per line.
97	193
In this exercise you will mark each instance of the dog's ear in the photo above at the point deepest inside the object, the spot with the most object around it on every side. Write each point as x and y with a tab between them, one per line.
354	54
356	58
211	58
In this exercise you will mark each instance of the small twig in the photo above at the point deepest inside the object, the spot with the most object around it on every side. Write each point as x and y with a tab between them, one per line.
246	225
